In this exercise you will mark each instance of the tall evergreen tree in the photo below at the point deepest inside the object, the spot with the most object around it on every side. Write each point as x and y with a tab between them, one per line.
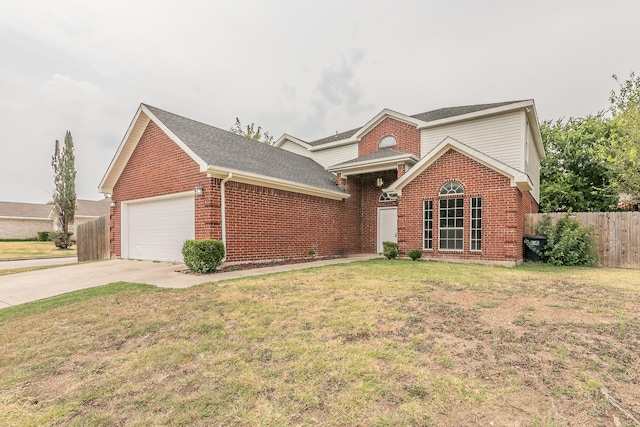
64	195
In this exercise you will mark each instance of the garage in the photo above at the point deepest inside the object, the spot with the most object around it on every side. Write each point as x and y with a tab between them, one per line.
155	229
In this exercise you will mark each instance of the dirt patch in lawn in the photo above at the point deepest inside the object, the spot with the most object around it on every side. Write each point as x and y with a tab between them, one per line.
384	343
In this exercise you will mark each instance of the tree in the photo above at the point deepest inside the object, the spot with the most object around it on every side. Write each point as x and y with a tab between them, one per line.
64	195
623	153
573	177
251	132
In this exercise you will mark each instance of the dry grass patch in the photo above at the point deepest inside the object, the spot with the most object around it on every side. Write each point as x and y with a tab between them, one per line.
25	250
383	343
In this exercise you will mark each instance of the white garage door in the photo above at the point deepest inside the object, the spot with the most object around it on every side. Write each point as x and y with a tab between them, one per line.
156	229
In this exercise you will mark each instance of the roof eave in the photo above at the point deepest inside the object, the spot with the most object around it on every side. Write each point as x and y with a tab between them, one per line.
477	114
375	165
271	182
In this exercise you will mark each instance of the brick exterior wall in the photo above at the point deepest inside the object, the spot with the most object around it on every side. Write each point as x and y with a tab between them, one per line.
264	223
157	167
407	137
261	223
503	209
14	228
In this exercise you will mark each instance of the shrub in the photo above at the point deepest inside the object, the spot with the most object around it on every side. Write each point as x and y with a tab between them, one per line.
43	236
415	254
203	256
390	250
57	237
568	242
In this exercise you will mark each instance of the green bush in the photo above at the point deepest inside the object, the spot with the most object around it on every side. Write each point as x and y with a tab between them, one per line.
415	254
60	243
203	256
390	250
568	242
43	236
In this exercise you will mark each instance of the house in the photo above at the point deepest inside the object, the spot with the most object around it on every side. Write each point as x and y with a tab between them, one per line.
454	182
25	220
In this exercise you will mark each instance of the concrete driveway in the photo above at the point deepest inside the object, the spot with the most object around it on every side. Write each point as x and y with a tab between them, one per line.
34	285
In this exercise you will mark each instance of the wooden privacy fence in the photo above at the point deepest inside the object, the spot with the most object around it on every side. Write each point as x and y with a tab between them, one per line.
617	233
93	240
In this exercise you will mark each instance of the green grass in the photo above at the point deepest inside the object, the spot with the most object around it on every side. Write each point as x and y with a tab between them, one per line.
381	343
31	249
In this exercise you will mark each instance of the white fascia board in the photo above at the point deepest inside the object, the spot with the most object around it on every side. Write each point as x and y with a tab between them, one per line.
334	144
477	114
517	178
203	165
276	183
386	113
375	165
109	180
532	118
30	218
285	137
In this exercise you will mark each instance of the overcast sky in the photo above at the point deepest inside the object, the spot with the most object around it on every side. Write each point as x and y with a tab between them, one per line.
304	68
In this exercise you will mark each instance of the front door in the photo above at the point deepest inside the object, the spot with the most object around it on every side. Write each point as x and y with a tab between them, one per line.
387	226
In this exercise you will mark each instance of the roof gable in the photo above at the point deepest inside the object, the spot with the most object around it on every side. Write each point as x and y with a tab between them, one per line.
219	151
518	178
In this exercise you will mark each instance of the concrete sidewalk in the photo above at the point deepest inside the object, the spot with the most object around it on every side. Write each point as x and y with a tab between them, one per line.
34	285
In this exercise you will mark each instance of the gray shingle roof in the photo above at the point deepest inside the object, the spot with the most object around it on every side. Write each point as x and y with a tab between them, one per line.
37	210
25	210
444	113
429	116
92	207
221	148
376	155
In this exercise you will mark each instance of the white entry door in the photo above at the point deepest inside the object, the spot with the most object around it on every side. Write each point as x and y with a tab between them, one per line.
387	226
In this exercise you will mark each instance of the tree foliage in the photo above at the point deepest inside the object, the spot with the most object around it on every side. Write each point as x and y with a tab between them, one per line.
64	195
573	177
252	132
623	153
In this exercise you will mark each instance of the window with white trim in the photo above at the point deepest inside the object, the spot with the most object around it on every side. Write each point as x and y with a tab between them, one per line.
428	224
451	217
387	141
476	223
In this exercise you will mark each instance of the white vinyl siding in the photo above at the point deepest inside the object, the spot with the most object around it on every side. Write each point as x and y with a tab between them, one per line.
337	155
533	165
295	148
500	137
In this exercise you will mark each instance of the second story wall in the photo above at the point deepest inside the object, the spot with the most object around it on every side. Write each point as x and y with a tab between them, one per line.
500	137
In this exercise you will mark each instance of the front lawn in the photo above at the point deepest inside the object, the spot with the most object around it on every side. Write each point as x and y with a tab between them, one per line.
28	249
378	343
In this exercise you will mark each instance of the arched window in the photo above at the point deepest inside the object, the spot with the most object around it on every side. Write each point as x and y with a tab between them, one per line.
387	141
451	214
386	197
451	188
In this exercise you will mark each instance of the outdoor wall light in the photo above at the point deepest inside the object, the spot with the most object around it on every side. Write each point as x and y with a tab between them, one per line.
199	190
113	203
379	182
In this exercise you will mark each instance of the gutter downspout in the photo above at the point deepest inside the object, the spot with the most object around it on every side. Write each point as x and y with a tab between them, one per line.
223	215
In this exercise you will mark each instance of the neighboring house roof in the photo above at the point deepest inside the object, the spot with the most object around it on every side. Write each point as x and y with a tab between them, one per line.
85	208
24	210
92	208
220	152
